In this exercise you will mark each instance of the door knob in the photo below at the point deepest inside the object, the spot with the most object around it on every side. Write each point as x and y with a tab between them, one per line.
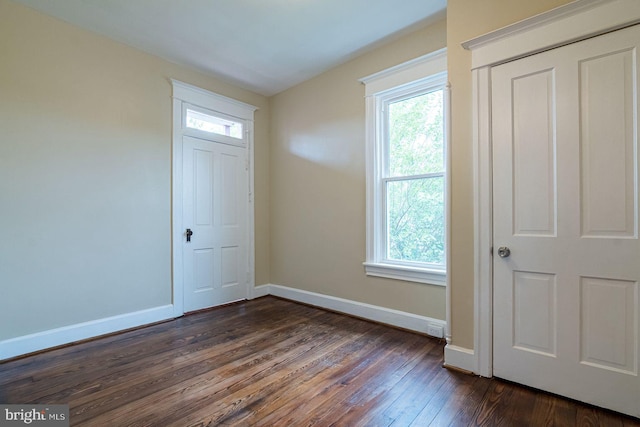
189	233
504	252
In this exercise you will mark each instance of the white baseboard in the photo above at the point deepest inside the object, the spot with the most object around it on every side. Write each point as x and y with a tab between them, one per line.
460	358
388	316
19	346
259	291
47	339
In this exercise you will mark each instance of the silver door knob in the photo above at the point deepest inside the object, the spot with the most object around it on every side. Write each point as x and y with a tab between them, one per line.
504	252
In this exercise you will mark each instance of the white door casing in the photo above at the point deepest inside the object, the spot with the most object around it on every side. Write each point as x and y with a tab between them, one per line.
191	141
565	186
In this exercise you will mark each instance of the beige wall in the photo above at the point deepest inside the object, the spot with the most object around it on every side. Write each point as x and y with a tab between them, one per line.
318	184
85	174
467	19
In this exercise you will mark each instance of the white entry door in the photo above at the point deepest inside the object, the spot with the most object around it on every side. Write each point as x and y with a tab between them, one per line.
565	174
215	194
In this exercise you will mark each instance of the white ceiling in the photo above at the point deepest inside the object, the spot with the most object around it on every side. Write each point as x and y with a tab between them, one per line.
263	45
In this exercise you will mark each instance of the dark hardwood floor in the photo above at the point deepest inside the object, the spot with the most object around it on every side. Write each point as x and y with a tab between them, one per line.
272	362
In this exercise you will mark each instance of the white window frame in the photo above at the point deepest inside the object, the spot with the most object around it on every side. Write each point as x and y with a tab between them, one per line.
422	74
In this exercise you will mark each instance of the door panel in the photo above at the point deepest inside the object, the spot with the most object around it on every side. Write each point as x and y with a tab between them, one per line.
609	205
229	199
229	265
533	154
565	183
203	181
215	197
608	323
534	312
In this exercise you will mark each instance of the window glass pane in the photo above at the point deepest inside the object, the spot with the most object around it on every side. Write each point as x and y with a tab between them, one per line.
415	220
416	135
213	124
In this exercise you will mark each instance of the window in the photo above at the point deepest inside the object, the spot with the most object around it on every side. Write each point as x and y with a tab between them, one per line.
406	171
213	124
209	124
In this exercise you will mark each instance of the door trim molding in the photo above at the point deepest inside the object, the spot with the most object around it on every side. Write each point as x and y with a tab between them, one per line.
575	21
567	24
183	92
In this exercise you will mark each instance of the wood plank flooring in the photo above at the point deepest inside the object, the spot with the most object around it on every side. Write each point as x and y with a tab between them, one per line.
272	362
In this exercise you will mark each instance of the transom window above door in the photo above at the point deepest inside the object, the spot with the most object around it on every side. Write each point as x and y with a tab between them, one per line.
213	125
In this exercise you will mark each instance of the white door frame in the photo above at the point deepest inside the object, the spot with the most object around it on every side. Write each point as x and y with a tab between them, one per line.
185	93
573	22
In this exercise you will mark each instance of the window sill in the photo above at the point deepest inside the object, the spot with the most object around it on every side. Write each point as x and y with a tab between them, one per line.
402	272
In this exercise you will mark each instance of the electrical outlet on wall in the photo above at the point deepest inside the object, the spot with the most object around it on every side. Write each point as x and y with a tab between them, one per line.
435	330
